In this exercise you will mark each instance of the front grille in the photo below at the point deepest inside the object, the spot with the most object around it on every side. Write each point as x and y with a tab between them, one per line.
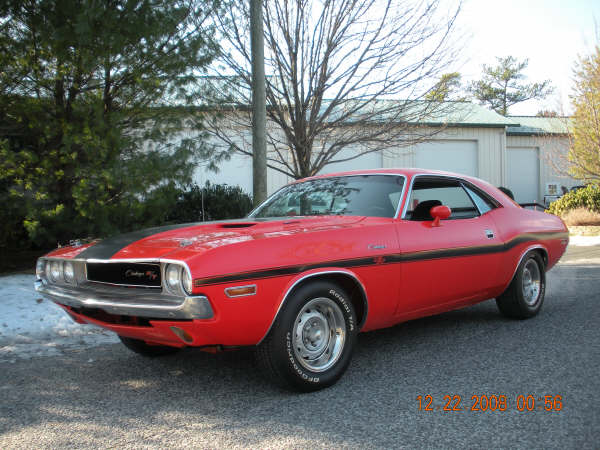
125	274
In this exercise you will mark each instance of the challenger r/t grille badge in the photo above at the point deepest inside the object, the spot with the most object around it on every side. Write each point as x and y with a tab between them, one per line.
149	274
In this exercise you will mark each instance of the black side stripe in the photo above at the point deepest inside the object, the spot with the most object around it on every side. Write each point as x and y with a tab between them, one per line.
384	259
290	270
471	251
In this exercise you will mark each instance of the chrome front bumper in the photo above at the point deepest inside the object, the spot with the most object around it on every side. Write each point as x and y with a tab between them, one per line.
130	302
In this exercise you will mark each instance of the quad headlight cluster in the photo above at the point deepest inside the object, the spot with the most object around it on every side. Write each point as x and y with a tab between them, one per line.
55	271
177	279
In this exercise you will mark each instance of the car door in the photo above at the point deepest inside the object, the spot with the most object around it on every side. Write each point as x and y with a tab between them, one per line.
453	263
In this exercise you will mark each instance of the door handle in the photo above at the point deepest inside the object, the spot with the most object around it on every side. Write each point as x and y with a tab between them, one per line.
489	234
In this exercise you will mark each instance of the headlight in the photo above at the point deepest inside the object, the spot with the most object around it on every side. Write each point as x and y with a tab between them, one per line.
40	269
55	271
186	282
69	271
173	277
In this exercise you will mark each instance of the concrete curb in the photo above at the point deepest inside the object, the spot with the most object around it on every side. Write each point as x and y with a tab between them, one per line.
586	230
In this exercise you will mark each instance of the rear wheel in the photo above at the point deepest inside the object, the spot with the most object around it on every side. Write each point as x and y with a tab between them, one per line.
311	342
148	350
525	295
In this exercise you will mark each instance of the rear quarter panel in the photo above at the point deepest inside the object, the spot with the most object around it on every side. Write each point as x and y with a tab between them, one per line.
522	229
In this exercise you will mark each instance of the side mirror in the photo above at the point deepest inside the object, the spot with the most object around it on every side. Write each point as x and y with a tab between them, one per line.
439	213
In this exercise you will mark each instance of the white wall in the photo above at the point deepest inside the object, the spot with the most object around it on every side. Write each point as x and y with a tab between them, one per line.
235	171
484	154
372	160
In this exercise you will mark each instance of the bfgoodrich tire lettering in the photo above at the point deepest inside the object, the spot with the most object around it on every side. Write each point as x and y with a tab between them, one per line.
525	295
311	342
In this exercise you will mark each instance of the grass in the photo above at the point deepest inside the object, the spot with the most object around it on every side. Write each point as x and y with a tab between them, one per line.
581	217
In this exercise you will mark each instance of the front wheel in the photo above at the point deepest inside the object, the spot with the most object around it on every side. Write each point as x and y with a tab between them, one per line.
311	342
525	295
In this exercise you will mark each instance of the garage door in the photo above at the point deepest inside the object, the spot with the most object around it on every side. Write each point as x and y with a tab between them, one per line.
451	156
366	161
523	173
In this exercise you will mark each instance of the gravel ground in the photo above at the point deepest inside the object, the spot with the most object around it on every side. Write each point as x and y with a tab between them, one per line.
105	396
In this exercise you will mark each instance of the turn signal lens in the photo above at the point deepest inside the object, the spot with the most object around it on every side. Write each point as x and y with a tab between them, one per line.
69	271
240	291
183	335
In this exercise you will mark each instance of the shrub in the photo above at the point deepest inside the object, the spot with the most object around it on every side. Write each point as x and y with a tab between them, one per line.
163	205
211	202
587	198
581	216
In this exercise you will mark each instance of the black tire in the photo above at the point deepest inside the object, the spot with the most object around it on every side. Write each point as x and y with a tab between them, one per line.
521	300
140	347
302	352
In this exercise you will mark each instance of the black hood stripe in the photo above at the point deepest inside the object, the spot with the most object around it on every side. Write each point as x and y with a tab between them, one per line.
107	248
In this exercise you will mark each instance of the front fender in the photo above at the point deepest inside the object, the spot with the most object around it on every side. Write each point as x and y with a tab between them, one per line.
297	280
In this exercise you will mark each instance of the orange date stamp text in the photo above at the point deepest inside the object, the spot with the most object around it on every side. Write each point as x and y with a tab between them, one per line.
493	402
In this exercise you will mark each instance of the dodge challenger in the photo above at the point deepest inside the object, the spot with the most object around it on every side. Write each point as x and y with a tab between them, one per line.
319	261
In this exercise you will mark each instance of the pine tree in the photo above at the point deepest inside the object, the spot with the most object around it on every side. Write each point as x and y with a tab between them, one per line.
501	85
87	91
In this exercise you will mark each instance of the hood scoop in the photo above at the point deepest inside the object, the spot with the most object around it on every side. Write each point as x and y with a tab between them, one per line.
237	225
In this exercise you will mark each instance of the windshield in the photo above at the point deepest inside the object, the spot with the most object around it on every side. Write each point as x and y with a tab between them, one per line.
356	195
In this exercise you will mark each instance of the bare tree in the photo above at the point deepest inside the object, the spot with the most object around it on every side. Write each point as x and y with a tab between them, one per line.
336	71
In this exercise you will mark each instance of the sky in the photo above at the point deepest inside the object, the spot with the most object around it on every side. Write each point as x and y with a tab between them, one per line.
551	33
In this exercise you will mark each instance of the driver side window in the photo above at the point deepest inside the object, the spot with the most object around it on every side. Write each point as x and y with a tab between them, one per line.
428	192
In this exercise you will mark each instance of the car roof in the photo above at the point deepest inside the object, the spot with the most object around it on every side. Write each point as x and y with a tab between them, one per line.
391	171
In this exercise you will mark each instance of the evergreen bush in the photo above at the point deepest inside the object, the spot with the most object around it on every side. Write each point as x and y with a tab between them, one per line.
588	198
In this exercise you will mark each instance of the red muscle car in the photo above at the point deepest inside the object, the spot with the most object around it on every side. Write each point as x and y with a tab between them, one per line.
320	260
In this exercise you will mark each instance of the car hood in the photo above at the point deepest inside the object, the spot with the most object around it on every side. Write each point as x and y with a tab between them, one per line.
175	241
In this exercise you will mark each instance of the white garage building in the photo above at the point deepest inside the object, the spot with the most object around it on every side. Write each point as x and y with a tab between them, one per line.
516	152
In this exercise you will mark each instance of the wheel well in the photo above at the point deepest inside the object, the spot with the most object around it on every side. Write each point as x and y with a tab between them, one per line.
543	254
351	285
540	251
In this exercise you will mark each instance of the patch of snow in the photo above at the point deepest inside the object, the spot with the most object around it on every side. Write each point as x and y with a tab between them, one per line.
584	241
30	326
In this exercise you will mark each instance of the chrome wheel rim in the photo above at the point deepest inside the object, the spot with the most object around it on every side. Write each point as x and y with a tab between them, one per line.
532	282
319	334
